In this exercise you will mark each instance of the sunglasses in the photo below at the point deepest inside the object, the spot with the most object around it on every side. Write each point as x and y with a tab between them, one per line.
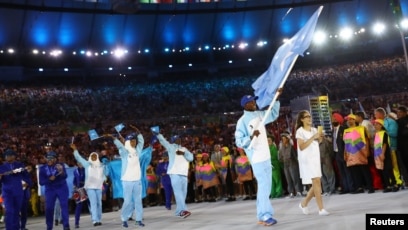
307	116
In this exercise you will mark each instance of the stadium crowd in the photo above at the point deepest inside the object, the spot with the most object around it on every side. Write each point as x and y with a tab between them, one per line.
204	111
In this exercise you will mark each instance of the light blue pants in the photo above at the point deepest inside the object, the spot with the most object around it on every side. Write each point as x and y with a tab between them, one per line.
132	200
95	203
263	174
179	184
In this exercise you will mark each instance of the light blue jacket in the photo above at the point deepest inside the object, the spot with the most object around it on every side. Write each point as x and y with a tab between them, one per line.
124	153
171	149
247	124
85	163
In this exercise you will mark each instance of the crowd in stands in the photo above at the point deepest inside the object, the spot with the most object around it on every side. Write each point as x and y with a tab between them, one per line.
203	110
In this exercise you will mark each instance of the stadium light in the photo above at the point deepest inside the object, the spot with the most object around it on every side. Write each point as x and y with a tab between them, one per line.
378	28
346	33
118	53
319	38
56	53
404	24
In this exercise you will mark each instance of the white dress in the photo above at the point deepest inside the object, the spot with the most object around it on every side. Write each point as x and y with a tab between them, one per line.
309	158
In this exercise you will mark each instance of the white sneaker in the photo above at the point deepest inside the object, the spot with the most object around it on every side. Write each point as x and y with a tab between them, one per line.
291	195
323	212
305	210
298	194
2	219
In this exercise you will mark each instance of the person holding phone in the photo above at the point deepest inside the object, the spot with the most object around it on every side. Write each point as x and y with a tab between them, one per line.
308	139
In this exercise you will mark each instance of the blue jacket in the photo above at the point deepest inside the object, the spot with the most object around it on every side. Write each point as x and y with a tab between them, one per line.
60	179
161	171
11	183
79	177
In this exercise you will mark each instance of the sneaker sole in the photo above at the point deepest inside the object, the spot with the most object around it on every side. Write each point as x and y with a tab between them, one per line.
186	215
263	223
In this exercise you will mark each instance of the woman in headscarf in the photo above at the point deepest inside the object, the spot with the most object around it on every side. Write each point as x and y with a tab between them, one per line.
94	178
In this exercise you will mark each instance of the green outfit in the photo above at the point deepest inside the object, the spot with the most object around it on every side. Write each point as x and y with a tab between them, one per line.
276	190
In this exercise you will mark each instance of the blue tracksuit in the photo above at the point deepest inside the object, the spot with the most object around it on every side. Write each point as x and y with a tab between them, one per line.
57	188
12	192
79	181
25	203
161	171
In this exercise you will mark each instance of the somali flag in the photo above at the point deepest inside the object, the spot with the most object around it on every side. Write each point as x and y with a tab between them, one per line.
119	127
115	167
93	134
266	85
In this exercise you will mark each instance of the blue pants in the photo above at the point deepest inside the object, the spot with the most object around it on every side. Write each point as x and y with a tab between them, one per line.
78	211
12	202
51	195
263	174
132	200
57	211
179	184
24	208
168	191
95	203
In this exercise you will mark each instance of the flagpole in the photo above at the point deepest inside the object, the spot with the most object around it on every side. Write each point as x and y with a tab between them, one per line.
275	97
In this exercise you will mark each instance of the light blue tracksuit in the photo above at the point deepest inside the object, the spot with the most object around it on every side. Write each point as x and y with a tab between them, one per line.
258	155
178	171
94	194
132	190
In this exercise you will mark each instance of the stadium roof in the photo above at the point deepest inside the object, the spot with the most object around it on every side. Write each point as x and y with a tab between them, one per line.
156	34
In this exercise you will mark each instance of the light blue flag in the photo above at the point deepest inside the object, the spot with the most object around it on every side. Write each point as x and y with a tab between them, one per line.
93	134
155	129
119	127
362	109
115	167
70	180
267	84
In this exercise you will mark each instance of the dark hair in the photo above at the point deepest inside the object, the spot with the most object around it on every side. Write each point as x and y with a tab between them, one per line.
300	115
402	109
360	114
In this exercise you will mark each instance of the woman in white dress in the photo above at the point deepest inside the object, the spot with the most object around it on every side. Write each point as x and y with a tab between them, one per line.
308	139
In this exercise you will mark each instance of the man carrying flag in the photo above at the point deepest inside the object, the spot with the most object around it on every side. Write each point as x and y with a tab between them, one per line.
250	133
247	129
